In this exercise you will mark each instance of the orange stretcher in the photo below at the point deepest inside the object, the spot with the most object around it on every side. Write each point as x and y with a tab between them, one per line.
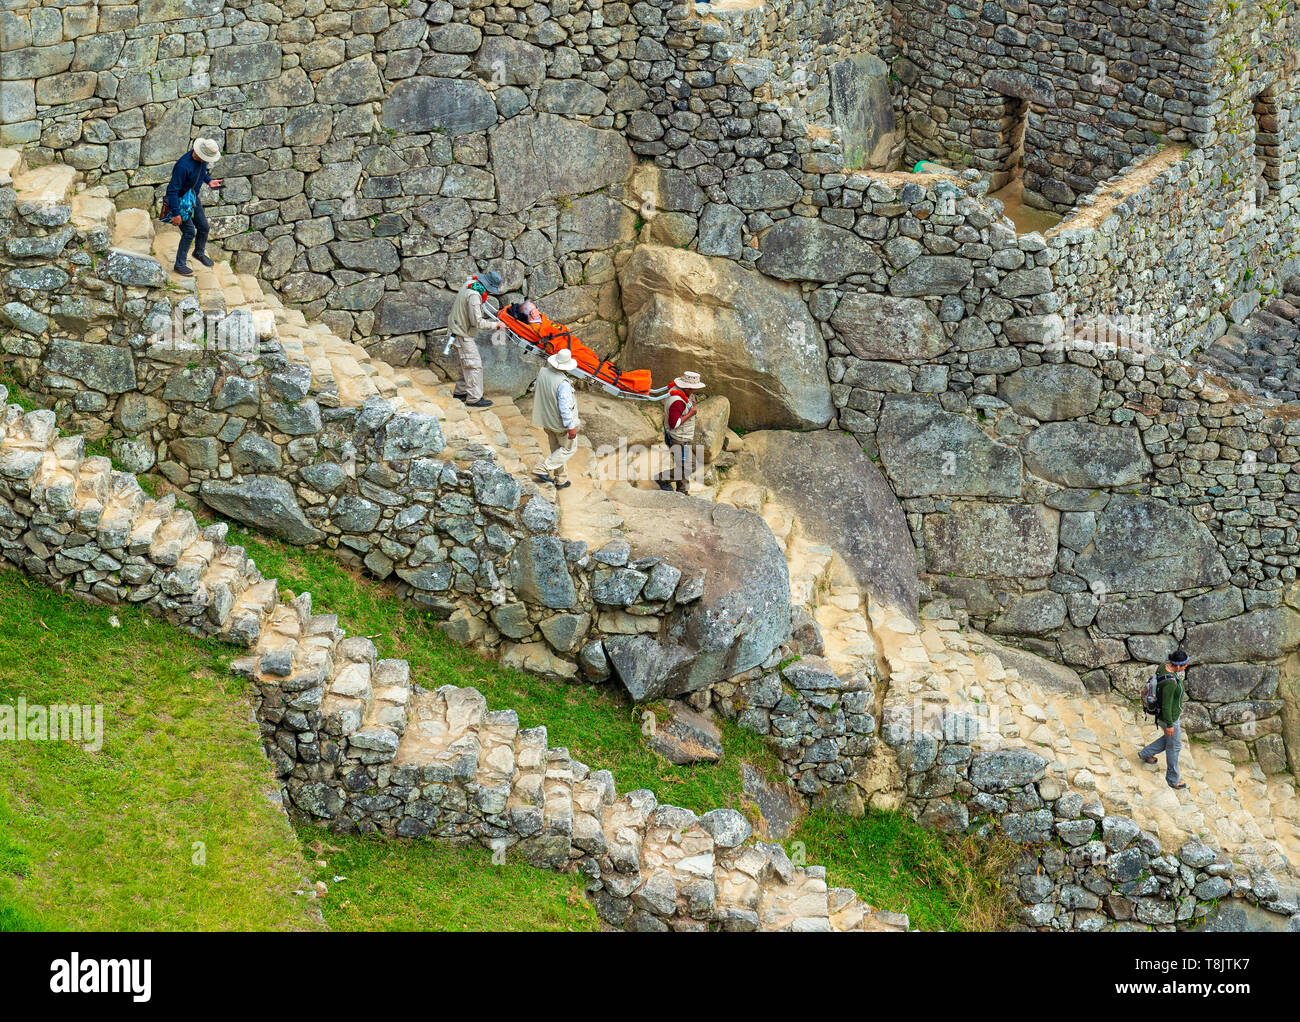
548	337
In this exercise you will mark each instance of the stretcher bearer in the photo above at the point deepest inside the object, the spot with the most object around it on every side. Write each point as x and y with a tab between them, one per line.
555	409
679	431
463	322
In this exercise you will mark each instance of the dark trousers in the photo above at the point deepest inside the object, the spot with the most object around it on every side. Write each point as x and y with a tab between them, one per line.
195	230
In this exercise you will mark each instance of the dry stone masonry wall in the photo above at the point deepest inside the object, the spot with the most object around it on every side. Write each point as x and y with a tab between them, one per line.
632	165
361	746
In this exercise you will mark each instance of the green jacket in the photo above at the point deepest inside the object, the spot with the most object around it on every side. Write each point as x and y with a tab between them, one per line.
1170	692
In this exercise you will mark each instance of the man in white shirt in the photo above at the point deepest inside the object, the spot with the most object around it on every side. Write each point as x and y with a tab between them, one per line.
555	409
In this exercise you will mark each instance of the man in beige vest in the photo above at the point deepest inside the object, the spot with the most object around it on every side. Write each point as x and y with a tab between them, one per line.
463	322
679	432
555	409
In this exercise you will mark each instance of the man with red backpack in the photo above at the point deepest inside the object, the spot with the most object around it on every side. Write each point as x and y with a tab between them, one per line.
1163	699
679	431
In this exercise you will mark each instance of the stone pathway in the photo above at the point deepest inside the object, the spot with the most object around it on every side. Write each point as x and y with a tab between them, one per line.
1090	740
680	870
1264	349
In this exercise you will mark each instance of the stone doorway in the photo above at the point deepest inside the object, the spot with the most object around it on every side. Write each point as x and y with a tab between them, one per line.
1006	131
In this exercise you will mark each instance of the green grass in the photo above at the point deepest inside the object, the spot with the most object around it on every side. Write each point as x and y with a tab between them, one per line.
895	864
422	885
105	840
108	839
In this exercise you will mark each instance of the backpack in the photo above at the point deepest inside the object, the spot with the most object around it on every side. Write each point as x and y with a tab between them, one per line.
1151	696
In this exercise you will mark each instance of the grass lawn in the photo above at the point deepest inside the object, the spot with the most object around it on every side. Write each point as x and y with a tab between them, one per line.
432	885
169	825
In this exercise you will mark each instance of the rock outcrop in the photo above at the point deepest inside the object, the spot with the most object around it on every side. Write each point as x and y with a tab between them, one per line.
749	337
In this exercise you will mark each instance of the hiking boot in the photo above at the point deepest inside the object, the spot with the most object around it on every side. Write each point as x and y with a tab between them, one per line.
202	257
480	403
184	271
666	487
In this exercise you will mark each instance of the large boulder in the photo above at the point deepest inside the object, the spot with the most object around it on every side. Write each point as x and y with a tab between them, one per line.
1052	392
1143	544
744	612
882	327
750	338
863	109
1258	635
992	540
929	452
547	156
1085	455
844	501
263	501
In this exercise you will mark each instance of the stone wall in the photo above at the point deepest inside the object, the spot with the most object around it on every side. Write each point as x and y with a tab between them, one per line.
225	415
1080	868
1096	84
1102	499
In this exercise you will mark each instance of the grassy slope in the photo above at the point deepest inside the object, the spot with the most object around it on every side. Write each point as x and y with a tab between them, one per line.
104	840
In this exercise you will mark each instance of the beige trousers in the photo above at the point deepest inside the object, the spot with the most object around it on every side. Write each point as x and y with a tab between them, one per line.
562	449
470	383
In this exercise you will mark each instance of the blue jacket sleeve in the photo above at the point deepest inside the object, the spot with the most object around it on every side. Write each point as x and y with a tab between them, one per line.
174	189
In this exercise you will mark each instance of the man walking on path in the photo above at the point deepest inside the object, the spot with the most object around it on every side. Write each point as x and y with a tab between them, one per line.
679	432
463	322
556	410
184	208
1170	692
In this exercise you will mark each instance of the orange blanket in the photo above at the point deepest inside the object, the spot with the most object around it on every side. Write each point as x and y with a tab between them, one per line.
549	337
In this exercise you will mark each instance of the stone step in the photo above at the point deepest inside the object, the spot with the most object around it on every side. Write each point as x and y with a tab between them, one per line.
11	165
46	186
133	230
93	210
441	736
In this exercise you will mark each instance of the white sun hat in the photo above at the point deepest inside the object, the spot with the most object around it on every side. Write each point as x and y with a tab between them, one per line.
689	381
563	360
207	150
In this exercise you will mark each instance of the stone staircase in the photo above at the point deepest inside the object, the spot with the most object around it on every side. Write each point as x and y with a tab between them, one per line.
343	373
652	866
1091	741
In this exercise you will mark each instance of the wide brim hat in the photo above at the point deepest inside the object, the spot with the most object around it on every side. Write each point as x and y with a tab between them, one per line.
207	150
689	381
563	360
492	281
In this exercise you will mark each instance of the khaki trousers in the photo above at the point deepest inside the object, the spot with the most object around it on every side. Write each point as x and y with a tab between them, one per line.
562	449
470	382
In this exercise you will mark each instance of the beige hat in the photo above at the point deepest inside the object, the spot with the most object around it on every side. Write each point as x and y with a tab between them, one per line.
563	360
207	150
689	381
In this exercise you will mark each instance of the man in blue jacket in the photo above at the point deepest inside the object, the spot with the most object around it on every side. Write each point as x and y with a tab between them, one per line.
184	209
